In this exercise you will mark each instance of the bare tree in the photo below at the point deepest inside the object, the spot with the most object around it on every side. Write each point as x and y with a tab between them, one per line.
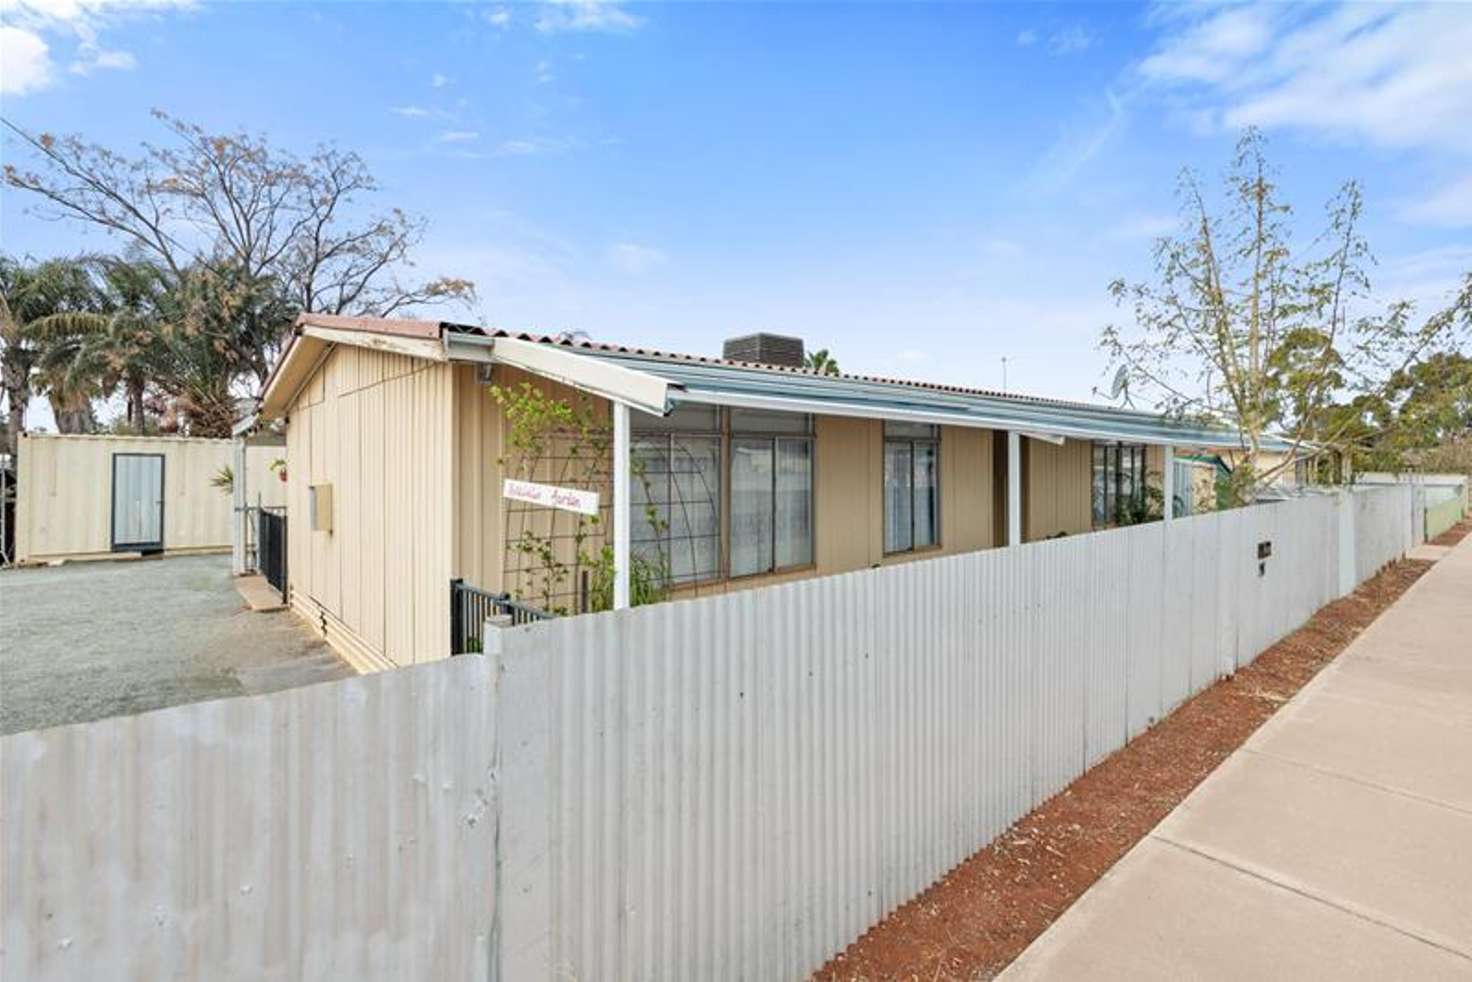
1240	329
235	205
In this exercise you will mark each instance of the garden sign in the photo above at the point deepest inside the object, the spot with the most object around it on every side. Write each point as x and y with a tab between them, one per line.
567	499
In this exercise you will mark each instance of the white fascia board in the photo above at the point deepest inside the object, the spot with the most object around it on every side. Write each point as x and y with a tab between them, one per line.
638	390
431	349
1055	434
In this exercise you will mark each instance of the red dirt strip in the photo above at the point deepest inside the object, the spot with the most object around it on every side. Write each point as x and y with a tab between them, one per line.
980	916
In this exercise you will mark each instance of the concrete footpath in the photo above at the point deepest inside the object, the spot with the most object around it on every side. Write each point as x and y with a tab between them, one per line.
1335	844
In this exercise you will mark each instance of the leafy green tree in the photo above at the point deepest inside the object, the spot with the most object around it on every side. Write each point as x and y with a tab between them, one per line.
30	291
116	344
821	361
1240	327
1422	408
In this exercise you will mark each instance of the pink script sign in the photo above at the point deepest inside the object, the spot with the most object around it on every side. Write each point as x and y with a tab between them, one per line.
568	499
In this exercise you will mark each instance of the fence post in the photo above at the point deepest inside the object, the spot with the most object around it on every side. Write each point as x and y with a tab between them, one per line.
526	723
491	651
1347	562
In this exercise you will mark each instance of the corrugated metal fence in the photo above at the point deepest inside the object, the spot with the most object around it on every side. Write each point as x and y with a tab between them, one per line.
1442	516
738	786
337	831
723	788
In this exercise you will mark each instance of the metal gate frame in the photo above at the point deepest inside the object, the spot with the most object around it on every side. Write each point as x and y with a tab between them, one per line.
112	506
271	554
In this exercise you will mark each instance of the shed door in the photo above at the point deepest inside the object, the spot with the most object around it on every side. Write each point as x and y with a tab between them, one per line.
137	501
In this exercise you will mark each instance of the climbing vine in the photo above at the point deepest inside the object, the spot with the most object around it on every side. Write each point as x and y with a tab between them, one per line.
548	552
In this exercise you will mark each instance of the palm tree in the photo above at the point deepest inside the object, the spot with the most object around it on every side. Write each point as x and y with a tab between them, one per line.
822	362
30	291
85	354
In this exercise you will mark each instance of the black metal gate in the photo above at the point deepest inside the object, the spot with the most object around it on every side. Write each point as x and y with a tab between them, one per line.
271	548
469	608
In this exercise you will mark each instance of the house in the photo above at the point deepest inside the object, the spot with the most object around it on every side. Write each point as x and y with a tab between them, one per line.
679	475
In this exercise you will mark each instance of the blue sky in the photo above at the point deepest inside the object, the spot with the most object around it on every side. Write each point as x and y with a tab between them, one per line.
923	188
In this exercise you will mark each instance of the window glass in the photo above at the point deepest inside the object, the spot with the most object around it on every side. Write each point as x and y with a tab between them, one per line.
898	501
751	506
1100	507
794	505
764	421
1119	481
675	498
686	417
914	431
694	508
926	482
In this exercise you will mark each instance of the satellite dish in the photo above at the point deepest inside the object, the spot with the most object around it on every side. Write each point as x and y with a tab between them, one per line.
1121	383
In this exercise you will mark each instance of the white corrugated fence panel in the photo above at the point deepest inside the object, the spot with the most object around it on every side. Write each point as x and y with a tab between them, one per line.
730	787
341	830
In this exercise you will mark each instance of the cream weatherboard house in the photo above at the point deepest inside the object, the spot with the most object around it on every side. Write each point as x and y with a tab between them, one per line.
716	473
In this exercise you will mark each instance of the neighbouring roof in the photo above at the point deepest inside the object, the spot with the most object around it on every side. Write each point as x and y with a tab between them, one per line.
696	378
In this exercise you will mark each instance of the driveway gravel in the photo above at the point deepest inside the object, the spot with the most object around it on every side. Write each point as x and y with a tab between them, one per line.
90	640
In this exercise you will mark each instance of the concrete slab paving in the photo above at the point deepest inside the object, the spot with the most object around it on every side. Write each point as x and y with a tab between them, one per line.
1336	843
1167	913
1412	753
1443	691
1390	860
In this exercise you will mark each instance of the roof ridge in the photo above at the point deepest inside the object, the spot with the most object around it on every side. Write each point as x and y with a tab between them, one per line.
612	347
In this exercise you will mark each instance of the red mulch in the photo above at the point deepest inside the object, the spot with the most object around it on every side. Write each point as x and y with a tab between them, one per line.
982	914
1454	534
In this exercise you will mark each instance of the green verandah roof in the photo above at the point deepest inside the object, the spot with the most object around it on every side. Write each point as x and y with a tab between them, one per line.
759	387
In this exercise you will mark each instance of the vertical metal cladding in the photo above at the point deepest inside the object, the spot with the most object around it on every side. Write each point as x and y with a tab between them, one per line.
342	830
735	787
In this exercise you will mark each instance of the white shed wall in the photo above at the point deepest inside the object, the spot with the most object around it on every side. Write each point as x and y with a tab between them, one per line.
64	494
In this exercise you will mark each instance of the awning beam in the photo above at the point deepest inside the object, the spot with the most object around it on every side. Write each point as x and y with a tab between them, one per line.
1052	432
639	390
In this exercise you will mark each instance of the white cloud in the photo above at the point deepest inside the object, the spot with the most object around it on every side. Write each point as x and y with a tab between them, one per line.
634	259
1213	49
33	27
1393	76
913	356
1003	249
439	81
532	146
1063	41
1149	226
498	17
544	72
91	56
1070	40
415	112
458	136
1429	278
1449	206
587	16
1079	144
27	65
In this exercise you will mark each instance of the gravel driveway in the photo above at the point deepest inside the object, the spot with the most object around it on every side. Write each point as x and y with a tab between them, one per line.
90	640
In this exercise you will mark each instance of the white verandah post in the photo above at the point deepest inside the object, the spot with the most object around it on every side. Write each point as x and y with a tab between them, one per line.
1014	488
621	549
